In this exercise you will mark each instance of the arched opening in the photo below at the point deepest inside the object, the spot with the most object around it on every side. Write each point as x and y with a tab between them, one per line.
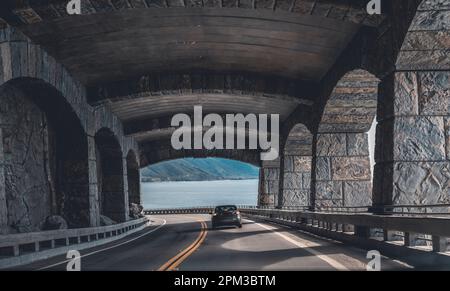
342	158
193	182
110	176
297	167
133	179
44	158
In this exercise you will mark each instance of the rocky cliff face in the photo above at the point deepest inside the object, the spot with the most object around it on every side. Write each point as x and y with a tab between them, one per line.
199	170
27	170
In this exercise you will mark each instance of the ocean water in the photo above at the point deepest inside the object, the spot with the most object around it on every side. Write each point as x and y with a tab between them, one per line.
199	193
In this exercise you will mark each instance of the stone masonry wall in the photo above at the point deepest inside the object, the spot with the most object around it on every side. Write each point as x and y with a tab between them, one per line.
342	176
297	168
413	135
21	60
269	175
28	180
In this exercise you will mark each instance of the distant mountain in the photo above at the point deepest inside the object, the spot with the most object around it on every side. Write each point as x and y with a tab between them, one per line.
191	169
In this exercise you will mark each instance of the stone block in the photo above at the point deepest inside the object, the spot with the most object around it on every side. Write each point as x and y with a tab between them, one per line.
328	203
331	190
421	183
302	164
350	168
271	174
419	138
323	168
289	164
405	94
266	199
292	181
431	20
424	60
427	40
434	5
434	98
357	144
306	183
358	193
295	198
273	187
331	145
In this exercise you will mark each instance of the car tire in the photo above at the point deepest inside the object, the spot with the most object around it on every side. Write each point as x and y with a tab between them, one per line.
239	225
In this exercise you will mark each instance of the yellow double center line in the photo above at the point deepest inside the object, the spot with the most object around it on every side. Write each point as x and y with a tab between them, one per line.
174	262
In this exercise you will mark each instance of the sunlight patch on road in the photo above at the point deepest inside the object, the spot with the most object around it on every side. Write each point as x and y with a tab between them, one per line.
301	244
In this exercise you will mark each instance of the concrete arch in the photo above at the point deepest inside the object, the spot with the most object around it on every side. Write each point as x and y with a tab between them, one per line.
133	178
296	162
44	157
341	162
110	176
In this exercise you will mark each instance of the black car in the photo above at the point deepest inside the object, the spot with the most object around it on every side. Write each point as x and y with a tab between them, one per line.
226	215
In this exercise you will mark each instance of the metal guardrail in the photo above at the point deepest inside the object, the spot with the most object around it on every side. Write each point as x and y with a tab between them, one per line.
16	245
360	224
190	210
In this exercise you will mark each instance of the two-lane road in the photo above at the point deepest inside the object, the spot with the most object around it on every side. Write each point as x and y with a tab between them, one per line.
186	242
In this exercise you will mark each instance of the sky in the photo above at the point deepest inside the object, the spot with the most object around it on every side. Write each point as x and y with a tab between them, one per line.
371	134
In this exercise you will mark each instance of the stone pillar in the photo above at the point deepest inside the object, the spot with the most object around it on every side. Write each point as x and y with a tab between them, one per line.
94	206
3	206
297	178
413	133
269	184
342	170
125	189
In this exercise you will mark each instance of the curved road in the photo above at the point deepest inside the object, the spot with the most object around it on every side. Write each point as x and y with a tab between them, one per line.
185	242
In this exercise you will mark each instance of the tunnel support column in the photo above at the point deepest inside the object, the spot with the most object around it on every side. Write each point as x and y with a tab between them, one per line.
126	189
413	140
295	164
269	184
3	206
342	170
413	133
94	206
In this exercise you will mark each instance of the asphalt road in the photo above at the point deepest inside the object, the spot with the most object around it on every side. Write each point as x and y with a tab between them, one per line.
183	242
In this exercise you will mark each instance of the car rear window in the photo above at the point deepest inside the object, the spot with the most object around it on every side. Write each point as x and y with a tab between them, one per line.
226	208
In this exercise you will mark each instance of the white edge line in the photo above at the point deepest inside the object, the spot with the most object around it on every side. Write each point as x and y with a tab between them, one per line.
108	248
332	262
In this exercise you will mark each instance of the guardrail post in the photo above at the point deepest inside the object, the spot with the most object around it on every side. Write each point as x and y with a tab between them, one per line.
362	231
348	228
439	244
16	251
410	239
389	235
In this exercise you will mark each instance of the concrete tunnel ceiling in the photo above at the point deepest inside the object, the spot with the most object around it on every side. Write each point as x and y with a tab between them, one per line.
294	41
